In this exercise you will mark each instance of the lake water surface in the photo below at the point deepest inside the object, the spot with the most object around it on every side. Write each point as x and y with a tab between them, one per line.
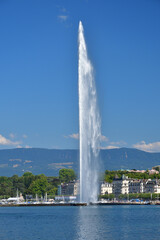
77	223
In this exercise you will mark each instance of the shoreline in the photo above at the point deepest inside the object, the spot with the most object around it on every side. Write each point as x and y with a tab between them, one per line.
80	204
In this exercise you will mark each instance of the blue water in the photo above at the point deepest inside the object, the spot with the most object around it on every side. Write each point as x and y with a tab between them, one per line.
77	223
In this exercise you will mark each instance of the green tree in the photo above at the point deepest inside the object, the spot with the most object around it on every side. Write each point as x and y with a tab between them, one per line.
67	175
52	192
39	186
107	196
110	175
6	187
17	184
28	178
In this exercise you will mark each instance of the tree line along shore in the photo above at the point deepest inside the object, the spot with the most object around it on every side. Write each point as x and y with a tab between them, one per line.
30	184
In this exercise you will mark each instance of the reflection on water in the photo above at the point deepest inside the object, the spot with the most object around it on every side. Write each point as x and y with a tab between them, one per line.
88	224
117	222
91	225
80	223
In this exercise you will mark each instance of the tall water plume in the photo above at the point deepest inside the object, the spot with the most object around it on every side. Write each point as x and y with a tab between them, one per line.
89	125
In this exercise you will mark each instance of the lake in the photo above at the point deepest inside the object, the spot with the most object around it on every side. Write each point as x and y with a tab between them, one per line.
77	223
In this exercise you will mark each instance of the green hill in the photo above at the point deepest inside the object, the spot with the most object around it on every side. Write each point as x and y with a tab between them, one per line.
49	161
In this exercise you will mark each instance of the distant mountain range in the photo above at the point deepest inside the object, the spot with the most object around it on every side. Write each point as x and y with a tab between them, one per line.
49	161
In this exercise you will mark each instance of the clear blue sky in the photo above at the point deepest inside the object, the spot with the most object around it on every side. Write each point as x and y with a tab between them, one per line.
39	77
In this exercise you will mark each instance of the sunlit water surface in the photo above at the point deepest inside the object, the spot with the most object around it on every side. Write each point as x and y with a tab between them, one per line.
77	223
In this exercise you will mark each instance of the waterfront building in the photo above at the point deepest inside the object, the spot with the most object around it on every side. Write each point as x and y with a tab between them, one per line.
152	186
17	199
106	188
63	199
71	188
76	188
121	185
127	185
136	186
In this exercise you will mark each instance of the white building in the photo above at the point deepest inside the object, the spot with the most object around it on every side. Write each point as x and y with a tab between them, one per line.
121	186
63	199
17	199
152	186
125	185
106	188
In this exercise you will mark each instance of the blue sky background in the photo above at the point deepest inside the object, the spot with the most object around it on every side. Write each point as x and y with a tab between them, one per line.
39	71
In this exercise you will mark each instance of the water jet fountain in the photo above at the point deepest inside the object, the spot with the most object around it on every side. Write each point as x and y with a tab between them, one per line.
89	125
